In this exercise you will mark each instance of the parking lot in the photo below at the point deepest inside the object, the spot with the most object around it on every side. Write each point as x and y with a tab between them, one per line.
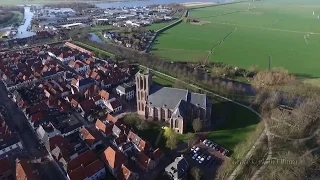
208	156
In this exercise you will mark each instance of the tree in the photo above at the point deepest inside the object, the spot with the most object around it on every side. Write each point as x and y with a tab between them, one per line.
190	138
196	173
172	141
142	125
197	125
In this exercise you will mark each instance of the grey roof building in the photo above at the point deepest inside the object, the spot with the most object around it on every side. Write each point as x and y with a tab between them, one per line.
177	107
178	168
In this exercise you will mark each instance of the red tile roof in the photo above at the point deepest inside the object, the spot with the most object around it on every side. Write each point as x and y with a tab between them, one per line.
157	154
116	103
63	144
89	136
111	118
88	105
93	168
83	172
85	159
144	160
104	94
4	166
144	145
37	116
113	157
104	128
25	170
124	173
77	174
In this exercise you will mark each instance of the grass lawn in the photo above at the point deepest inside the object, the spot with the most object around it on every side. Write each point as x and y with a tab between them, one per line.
93	48
233	124
285	31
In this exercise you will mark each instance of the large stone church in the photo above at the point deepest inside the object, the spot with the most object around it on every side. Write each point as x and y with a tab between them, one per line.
177	107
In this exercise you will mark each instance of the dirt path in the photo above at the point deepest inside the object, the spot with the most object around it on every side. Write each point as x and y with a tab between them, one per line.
216	45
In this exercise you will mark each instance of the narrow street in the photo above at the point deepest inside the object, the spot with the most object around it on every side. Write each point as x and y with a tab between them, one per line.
34	150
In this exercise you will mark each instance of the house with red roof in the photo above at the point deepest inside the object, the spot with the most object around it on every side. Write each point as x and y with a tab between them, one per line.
25	170
104	128
86	166
113	159
145	162
86	108
90	137
114	105
126	174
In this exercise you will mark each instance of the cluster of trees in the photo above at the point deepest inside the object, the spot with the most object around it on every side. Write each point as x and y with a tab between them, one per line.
296	141
137	37
278	76
7	14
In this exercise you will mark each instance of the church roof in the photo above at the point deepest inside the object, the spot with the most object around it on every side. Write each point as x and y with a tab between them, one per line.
171	97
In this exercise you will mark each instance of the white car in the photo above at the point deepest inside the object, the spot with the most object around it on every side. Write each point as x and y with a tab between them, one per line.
193	148
198	158
195	156
196	150
202	159
205	141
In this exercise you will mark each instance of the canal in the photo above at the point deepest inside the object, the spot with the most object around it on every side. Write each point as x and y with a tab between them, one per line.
23	29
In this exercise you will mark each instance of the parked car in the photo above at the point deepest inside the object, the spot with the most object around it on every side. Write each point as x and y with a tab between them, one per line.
195	156
196	150
202	159
193	148
225	152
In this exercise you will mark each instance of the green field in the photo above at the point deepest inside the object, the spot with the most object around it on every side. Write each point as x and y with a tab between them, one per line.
286	31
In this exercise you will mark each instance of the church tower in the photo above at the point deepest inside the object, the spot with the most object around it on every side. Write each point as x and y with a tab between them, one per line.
143	85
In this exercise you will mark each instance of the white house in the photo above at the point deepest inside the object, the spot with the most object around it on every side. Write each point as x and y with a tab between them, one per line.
126	91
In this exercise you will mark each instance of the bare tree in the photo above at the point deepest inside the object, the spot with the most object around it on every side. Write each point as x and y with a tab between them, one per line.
197	125
196	173
172	141
190	138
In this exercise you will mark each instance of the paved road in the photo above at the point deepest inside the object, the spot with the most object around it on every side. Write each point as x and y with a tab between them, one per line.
27	136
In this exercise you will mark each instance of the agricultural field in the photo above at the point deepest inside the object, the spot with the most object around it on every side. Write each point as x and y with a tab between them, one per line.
248	34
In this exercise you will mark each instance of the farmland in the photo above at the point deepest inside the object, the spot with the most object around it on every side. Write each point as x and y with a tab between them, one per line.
248	34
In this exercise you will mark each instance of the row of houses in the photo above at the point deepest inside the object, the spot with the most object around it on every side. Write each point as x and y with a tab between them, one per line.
77	156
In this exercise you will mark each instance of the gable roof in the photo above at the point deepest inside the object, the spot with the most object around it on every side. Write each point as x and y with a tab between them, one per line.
25	170
83	159
83	172
111	118
104	128
144	160
178	167
156	154
144	145
87	105
124	173
113	157
170	97
89	136
104	94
